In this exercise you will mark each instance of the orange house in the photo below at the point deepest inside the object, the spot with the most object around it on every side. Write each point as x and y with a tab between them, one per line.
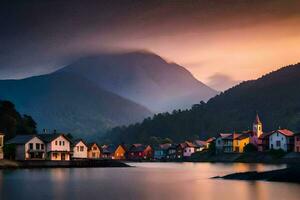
120	153
94	151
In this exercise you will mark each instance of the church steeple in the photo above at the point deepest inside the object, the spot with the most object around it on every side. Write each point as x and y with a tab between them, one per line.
257	126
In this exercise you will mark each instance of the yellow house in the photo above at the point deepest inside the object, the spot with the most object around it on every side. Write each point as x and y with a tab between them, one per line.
1	146
239	142
120	153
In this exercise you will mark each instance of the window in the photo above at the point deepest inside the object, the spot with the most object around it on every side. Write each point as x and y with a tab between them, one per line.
278	143
37	146
63	143
93	155
77	148
95	148
55	142
59	143
30	146
81	148
55	155
42	146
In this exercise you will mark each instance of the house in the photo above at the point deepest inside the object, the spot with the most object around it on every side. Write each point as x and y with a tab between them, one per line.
28	147
94	151
297	142
240	141
189	149
108	151
140	152
263	142
210	141
224	143
175	151
120	152
80	149
161	151
1	145
58	146
200	145
282	139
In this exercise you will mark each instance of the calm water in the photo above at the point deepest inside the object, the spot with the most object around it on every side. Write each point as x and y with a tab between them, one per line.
145	181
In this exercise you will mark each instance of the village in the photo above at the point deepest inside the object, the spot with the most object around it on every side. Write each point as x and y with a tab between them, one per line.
58	147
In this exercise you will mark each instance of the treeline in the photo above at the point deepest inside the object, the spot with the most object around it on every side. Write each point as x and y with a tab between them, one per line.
275	97
12	122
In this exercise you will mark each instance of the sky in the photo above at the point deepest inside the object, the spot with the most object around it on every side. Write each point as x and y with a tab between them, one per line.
221	42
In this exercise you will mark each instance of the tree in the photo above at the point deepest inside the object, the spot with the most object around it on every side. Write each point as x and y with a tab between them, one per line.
250	148
12	123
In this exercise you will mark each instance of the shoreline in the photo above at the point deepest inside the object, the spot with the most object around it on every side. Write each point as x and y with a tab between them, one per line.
30	164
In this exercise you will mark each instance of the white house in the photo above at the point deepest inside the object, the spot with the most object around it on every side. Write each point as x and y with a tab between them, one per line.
58	146
80	150
281	139
1	146
28	147
189	149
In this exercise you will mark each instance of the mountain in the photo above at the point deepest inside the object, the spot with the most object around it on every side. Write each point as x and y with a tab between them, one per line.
144	78
275	97
71	103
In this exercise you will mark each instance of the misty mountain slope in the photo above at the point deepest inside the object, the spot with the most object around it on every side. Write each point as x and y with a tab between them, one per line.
70	103
275	97
144	78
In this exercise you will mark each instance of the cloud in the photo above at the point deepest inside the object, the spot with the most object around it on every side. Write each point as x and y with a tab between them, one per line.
38	37
221	82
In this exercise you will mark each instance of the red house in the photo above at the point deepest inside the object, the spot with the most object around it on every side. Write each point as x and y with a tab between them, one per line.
140	152
297	142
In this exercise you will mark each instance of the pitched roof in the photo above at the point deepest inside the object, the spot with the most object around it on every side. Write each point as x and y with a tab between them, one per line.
242	136
109	148
257	120
165	146
200	143
138	147
75	142
90	145
286	132
225	135
264	135
52	136
209	140
21	139
189	144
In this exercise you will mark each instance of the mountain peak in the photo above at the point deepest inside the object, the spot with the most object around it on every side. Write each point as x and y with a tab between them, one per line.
143	77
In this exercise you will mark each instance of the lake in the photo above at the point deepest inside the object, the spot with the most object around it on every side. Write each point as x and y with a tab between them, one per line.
145	181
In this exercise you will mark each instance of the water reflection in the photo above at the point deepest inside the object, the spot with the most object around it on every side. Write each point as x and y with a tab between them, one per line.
146	181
